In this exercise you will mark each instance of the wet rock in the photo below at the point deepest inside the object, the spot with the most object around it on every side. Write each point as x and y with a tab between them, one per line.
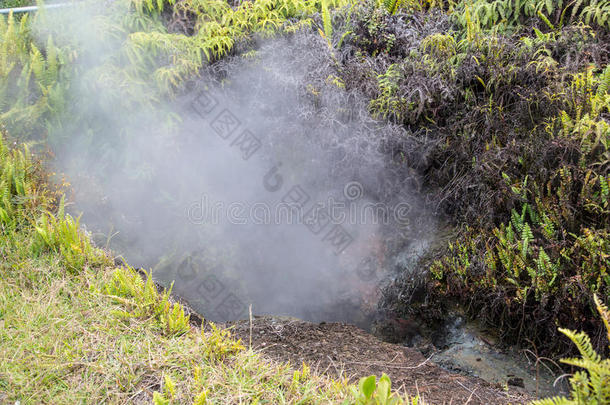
398	330
515	381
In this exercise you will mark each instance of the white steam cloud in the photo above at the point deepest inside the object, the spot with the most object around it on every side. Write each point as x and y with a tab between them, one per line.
264	182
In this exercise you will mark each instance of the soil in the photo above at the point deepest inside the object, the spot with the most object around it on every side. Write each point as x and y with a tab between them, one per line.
342	350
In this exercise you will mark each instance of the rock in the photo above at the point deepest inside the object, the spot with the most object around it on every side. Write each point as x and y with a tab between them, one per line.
398	330
516	381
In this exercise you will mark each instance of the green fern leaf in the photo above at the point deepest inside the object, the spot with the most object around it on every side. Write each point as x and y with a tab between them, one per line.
328	27
391	6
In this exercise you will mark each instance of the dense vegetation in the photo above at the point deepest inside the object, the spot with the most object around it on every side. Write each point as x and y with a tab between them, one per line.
15	3
510	107
506	103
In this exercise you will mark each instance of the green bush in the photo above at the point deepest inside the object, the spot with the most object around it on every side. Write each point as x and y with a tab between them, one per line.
31	94
553	252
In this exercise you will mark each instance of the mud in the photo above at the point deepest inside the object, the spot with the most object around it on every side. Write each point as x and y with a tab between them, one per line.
345	351
461	365
466	347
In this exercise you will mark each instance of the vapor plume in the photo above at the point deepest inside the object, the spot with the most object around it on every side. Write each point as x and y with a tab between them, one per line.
264	181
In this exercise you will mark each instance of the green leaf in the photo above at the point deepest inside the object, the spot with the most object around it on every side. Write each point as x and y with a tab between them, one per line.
384	387
367	386
328	27
391	6
159	399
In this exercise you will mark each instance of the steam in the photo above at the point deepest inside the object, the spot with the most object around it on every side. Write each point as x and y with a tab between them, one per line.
265	182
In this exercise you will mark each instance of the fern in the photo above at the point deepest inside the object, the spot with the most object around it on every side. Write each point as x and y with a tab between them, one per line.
526	237
598	13
328	28
604	82
517	220
61	233
27	79
16	183
591	386
144	300
391	6
509	14
604	313
439	44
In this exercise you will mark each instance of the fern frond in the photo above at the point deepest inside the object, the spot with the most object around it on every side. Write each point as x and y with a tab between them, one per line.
391	6
328	27
583	344
604	313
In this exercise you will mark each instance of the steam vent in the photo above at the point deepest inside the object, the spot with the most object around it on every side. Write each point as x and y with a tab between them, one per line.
305	201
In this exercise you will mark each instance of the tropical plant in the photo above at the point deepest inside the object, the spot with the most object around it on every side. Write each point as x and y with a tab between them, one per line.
61	233
371	391
592	384
142	300
15	185
503	15
30	90
391	6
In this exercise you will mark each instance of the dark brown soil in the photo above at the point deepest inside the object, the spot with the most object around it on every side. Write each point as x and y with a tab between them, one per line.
346	351
341	350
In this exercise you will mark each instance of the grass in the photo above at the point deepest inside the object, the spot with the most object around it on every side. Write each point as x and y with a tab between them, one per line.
74	328
63	341
98	333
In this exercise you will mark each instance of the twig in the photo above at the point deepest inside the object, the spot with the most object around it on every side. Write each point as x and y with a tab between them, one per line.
560	377
250	313
470	397
379	363
469	390
335	366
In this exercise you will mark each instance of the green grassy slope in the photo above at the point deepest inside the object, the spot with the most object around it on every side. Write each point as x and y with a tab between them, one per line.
75	329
